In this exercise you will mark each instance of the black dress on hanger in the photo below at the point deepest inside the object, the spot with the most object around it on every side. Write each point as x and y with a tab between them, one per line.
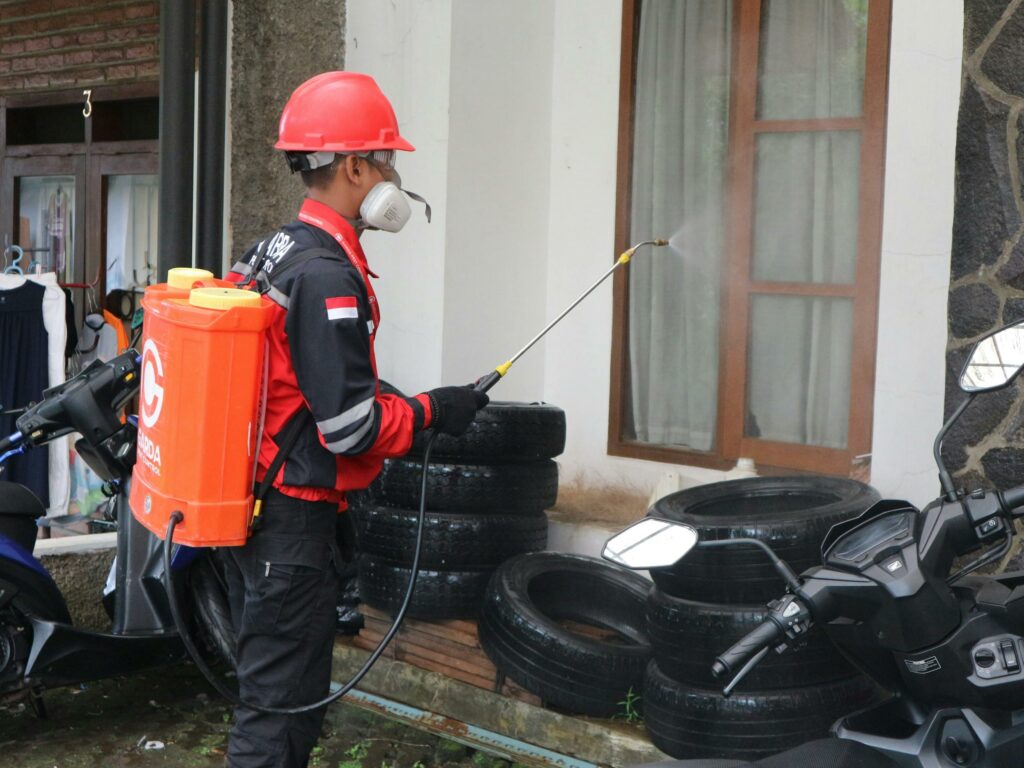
23	377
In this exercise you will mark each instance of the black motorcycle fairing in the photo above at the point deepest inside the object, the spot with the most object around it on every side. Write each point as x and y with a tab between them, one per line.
939	737
62	655
31	592
16	499
875	510
899	559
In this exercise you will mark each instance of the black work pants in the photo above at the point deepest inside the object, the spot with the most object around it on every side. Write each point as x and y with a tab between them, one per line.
283	587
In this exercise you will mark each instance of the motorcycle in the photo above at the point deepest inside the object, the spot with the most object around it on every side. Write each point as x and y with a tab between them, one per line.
948	645
39	646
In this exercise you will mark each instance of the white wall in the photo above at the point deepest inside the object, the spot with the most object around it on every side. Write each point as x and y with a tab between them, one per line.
924	95
498	188
406	47
514	107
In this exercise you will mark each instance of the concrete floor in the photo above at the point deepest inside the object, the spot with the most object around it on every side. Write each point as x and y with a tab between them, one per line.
109	723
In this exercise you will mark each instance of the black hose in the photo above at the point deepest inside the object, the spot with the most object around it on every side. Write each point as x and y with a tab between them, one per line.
172	598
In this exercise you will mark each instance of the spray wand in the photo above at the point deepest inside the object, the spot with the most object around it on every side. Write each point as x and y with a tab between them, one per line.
492	378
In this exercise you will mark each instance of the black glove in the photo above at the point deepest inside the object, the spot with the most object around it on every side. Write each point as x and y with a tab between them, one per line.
453	408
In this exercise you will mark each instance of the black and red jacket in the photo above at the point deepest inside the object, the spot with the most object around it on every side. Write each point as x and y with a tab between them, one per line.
321	358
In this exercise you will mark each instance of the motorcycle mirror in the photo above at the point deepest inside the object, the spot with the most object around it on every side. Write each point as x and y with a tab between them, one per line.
650	543
995	360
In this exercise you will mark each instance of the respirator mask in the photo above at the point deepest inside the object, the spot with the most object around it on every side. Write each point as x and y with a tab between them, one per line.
385	207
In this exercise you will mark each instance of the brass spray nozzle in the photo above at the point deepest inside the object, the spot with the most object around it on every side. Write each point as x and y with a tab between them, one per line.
627	255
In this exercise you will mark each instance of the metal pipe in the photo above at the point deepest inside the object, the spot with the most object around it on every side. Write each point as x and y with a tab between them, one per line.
177	110
212	110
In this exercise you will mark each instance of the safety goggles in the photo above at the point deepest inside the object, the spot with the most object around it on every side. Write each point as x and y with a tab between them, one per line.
382	159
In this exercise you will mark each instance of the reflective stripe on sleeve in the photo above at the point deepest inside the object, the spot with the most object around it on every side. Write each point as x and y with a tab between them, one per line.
351	416
347	443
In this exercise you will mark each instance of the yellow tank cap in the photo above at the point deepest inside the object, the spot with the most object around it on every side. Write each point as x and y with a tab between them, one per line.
183	277
223	298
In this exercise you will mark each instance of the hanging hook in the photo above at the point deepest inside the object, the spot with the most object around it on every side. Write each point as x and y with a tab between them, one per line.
87	110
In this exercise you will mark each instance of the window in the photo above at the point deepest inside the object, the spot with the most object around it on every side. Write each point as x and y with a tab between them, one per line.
751	135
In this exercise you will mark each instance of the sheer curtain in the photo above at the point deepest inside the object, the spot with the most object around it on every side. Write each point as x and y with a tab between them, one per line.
679	151
806	193
806	214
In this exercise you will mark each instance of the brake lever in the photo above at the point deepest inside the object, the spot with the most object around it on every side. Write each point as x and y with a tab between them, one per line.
744	671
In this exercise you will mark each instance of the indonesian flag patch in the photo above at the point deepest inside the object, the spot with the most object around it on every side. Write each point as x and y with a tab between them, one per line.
342	308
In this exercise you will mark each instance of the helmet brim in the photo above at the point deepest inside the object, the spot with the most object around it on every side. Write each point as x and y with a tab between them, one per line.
397	143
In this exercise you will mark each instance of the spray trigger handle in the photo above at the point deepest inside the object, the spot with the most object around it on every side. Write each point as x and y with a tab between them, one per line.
484	383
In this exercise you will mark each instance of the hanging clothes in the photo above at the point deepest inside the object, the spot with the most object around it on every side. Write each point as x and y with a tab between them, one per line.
69	325
58	222
32	338
98	340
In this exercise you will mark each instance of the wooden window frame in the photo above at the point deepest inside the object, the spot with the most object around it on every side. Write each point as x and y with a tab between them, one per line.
737	285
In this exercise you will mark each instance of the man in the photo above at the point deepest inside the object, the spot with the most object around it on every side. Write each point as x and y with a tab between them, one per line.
328	427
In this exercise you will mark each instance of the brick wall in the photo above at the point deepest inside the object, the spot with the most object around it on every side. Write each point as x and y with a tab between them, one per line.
57	44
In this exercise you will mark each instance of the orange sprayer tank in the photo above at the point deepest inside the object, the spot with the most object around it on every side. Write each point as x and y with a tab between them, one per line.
202	367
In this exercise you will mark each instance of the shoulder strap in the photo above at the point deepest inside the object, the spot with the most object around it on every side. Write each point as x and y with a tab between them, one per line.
302	257
289	437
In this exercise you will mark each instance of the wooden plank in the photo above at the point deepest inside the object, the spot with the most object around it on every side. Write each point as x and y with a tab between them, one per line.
434	642
449	648
465	626
456	634
456	674
477	663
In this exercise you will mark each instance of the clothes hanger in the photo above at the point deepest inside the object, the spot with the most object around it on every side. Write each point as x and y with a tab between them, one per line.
18	254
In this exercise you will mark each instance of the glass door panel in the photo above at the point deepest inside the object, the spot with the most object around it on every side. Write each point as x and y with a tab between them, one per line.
812	59
131	231
798	371
806	207
45	223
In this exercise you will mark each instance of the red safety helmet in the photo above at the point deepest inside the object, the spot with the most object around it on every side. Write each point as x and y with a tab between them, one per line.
339	112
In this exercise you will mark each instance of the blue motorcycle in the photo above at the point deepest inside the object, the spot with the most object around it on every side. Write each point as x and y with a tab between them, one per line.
39	646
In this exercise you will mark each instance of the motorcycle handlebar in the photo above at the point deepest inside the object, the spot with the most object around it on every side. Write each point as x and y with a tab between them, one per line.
11	441
763	636
1014	498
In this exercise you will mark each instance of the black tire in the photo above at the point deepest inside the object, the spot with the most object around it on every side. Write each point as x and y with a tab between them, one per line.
502	432
791	514
208	595
438	594
685	721
521	630
686	636
451	541
507	488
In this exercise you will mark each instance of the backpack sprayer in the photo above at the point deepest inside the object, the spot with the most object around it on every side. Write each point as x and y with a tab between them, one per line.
202	350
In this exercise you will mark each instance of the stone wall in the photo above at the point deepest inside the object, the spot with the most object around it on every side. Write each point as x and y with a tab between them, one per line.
80	576
986	448
275	46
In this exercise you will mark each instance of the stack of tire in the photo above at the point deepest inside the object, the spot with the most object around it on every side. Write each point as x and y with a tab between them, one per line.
569	629
713	597
486	495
